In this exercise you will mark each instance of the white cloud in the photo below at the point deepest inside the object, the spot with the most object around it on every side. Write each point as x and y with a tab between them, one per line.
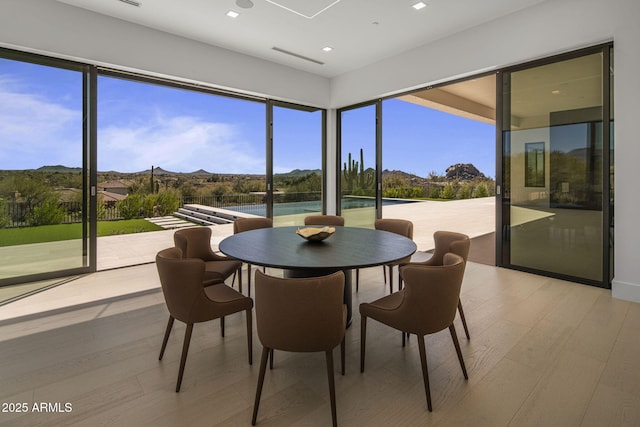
179	144
35	131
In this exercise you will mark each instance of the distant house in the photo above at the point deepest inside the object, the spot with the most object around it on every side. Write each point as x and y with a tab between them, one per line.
117	187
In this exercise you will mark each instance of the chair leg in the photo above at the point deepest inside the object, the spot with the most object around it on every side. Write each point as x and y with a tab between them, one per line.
403	339
167	332
464	321
357	279
425	370
391	279
249	280
263	368
454	337
185	350
332	386
384	273
271	359
222	326
363	338
342	348
250	335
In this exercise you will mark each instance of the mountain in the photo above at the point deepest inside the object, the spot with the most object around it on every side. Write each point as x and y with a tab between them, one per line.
58	168
299	172
463	172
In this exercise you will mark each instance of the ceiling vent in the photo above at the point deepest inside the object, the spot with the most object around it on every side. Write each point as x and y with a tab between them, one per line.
277	49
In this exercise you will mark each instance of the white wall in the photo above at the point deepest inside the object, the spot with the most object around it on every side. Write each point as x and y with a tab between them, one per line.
548	28
50	27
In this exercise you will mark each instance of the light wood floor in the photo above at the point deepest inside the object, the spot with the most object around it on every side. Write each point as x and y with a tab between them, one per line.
542	352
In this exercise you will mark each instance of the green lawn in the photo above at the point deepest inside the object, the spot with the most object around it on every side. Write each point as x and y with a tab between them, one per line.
52	233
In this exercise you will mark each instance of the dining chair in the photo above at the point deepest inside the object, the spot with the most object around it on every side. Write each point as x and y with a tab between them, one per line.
300	315
246	224
189	302
426	305
324	220
402	227
457	243
195	242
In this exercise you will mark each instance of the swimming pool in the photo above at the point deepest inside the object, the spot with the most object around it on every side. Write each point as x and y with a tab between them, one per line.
295	208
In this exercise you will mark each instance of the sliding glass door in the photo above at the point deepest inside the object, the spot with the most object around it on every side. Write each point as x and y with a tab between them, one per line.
556	148
297	174
44	166
359	148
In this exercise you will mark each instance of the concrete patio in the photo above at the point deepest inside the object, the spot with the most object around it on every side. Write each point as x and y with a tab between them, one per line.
125	262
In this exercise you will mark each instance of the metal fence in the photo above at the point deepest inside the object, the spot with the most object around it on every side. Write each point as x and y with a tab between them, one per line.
17	214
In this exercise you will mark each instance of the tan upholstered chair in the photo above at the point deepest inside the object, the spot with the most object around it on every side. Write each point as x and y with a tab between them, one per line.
195	242
426	305
190	302
246	224
457	243
402	227
300	315
324	220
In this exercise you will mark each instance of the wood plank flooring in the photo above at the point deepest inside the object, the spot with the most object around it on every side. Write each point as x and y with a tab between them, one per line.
543	352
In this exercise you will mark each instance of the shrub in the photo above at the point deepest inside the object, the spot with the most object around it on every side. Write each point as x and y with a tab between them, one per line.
167	202
47	213
4	216
434	192
448	192
465	192
481	191
131	207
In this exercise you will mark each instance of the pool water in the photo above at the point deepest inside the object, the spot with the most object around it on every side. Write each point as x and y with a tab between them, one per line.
295	208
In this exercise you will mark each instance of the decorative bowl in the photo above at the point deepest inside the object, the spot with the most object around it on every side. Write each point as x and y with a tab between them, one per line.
315	234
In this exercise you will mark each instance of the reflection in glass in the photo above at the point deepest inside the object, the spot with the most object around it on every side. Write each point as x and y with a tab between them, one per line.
42	187
534	159
553	169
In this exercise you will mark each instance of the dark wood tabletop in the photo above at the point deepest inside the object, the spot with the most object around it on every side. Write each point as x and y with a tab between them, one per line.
347	248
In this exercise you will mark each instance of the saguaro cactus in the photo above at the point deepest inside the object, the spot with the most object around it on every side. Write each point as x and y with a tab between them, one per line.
355	174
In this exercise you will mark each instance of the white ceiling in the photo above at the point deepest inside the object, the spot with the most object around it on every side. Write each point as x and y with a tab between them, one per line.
361	32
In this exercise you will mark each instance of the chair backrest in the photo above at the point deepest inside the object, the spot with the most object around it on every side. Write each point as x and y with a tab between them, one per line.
431	295
324	220
300	314
449	241
246	224
402	227
181	280
194	242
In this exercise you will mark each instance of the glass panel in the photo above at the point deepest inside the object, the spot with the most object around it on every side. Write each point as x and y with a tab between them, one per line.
440	143
297	164
358	180
42	189
554	176
162	150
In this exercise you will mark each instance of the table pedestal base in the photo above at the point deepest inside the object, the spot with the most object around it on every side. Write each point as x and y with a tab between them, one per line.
315	272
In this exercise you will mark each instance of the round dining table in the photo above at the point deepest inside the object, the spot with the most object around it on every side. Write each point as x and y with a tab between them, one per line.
344	250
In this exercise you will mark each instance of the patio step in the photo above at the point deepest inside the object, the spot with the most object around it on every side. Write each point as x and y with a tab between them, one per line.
170	222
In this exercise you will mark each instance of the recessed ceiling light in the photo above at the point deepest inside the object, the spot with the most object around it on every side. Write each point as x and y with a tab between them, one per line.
327	48
232	14
419	5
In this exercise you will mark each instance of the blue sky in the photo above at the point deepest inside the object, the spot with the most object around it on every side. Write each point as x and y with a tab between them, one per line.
140	125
